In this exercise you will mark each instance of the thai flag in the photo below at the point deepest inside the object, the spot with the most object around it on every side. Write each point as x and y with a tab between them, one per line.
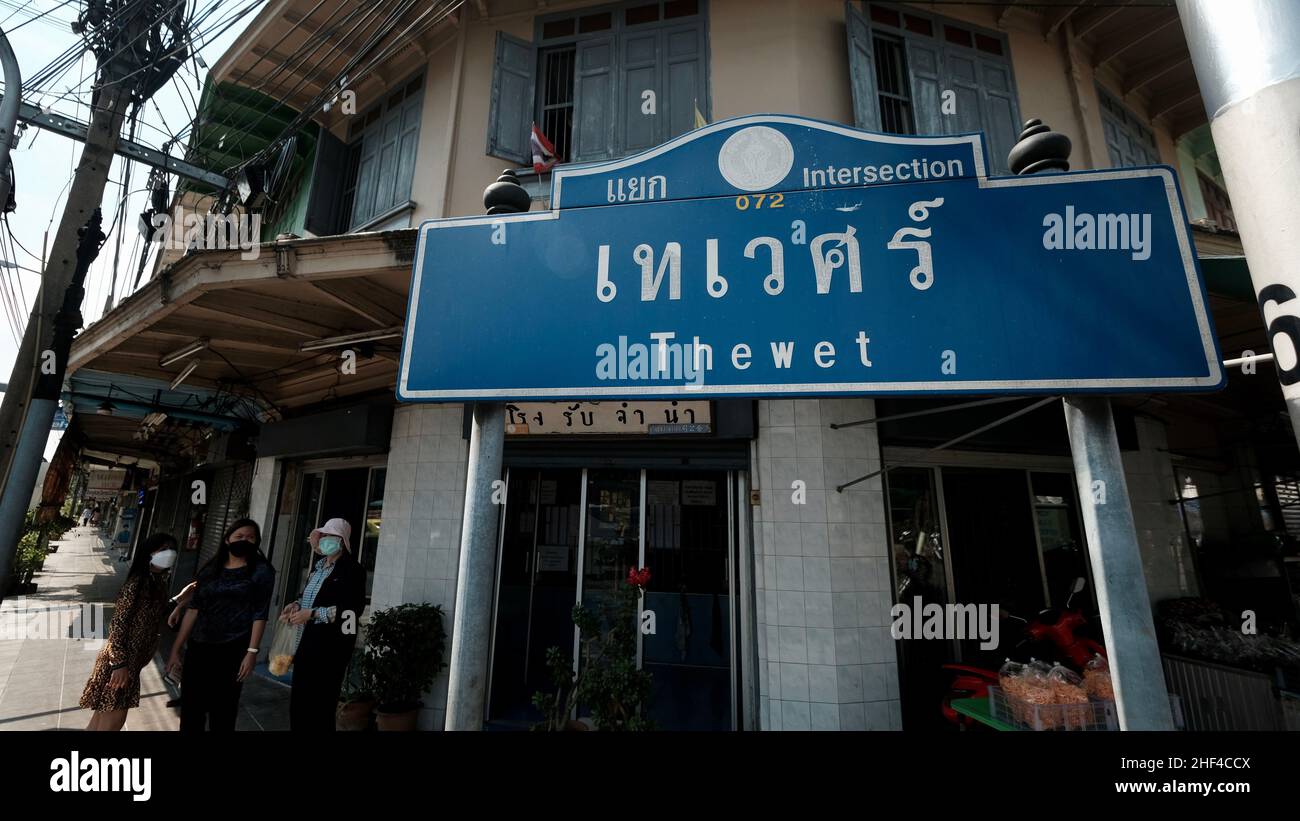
543	152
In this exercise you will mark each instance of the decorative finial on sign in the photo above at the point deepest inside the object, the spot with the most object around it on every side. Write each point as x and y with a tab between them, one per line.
1039	149
506	195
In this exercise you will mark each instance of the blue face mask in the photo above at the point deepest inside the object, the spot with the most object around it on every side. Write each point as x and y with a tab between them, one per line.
329	545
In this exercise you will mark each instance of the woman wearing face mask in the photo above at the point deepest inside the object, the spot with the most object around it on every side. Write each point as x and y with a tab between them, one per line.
329	611
114	684
223	625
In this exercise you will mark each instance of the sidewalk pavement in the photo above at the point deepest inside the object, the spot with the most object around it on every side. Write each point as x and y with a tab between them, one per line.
42	677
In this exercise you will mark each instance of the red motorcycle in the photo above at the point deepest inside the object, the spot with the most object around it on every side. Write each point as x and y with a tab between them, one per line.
1057	627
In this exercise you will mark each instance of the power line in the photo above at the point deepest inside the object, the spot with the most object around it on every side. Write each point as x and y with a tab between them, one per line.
347	74
65	25
324	32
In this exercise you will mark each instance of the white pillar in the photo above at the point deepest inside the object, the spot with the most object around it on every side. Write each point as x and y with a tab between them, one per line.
1247	59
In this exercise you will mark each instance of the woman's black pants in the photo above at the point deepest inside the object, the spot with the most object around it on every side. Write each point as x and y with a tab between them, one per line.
318	670
210	685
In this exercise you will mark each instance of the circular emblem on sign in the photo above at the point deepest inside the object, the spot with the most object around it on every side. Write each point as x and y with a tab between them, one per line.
755	158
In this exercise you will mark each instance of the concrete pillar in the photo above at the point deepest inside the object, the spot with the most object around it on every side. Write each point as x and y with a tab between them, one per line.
424	497
826	658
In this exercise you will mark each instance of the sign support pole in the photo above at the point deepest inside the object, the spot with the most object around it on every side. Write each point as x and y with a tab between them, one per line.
472	618
1141	698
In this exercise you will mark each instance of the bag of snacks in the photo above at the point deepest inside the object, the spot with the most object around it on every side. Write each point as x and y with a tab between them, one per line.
1096	679
283	646
1068	691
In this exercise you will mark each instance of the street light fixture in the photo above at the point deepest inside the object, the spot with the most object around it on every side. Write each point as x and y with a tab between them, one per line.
175	356
181	377
394	332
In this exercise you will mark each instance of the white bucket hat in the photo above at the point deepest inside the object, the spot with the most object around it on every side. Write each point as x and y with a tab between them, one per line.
334	527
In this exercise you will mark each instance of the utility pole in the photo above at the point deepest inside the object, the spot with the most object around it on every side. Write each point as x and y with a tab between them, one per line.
8	113
471	627
1244	54
118	32
1133	653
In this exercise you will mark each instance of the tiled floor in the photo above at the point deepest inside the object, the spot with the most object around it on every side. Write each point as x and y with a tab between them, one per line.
42	676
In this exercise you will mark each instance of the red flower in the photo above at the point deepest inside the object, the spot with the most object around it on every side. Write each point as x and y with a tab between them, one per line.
638	578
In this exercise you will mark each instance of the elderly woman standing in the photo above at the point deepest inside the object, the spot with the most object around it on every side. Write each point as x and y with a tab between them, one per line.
329	611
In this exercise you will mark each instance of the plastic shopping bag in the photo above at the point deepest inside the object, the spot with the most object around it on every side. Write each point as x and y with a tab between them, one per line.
283	646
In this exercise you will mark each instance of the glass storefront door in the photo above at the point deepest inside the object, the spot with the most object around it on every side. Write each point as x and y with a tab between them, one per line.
678	524
688	549
537	586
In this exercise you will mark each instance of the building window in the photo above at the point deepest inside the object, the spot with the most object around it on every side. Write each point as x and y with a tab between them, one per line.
381	156
893	90
600	84
1217	205
556	103
924	74
1128	139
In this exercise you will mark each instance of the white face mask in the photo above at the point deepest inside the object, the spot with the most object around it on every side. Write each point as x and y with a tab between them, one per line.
163	559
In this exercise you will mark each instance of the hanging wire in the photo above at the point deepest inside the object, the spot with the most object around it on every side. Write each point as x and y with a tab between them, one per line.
352	73
60	23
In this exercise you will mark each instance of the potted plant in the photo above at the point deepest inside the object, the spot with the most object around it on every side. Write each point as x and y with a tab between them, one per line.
28	561
403	654
608	681
356	704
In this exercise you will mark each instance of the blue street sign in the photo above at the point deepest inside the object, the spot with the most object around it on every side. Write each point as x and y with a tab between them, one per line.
774	255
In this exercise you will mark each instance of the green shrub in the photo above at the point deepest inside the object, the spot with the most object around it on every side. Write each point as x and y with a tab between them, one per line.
404	646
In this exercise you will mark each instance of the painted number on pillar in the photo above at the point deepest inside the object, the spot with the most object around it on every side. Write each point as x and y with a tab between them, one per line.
1284	328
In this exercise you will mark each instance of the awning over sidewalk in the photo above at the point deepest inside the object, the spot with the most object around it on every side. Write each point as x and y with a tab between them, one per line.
217	338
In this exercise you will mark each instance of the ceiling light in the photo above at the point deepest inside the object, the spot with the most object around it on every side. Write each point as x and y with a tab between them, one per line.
394	332
175	356
181	377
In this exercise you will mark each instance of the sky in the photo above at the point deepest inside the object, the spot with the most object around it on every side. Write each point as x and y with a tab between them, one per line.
43	161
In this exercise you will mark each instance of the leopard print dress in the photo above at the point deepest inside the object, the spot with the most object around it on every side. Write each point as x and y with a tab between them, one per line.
132	638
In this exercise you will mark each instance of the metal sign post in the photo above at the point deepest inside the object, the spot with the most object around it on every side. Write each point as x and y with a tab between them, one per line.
1141	698
471	632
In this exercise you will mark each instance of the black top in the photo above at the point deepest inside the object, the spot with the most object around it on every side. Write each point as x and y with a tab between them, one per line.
344	589
229	603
